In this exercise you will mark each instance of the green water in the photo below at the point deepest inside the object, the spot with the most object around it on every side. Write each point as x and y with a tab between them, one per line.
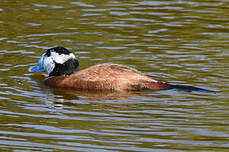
180	42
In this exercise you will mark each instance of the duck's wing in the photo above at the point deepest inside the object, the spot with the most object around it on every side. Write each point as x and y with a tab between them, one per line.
107	77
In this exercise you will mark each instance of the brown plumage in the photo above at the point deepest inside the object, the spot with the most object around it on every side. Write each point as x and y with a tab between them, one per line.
114	77
62	65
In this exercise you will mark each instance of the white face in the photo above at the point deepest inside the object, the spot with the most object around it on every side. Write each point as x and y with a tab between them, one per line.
49	62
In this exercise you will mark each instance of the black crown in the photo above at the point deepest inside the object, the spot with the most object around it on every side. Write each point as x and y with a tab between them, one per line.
58	49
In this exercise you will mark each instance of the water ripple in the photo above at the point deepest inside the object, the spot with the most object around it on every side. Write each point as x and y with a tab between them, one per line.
181	42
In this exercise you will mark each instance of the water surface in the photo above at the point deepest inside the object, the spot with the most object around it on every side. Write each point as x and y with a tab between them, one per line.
180	42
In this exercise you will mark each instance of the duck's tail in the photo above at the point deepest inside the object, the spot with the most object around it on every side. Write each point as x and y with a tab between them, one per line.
190	89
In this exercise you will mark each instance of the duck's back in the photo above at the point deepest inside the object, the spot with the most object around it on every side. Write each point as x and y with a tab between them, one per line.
107	77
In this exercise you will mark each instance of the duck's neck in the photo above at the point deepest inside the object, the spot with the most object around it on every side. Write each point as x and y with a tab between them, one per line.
66	68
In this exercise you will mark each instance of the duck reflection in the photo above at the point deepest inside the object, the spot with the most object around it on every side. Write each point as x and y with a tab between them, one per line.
59	97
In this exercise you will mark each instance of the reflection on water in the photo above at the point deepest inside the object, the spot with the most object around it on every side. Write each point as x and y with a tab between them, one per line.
181	42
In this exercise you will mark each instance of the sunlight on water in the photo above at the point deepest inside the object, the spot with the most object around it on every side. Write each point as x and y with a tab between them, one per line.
180	42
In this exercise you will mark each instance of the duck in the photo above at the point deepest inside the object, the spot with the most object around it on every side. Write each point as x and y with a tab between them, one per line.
62	68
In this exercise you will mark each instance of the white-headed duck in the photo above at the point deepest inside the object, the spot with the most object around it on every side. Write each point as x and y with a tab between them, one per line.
62	68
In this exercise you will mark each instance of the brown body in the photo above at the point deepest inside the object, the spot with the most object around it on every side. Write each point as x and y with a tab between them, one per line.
112	77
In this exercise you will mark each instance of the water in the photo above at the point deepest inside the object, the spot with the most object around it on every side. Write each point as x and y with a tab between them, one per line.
180	42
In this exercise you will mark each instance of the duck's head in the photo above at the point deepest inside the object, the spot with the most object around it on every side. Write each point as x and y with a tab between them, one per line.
56	61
